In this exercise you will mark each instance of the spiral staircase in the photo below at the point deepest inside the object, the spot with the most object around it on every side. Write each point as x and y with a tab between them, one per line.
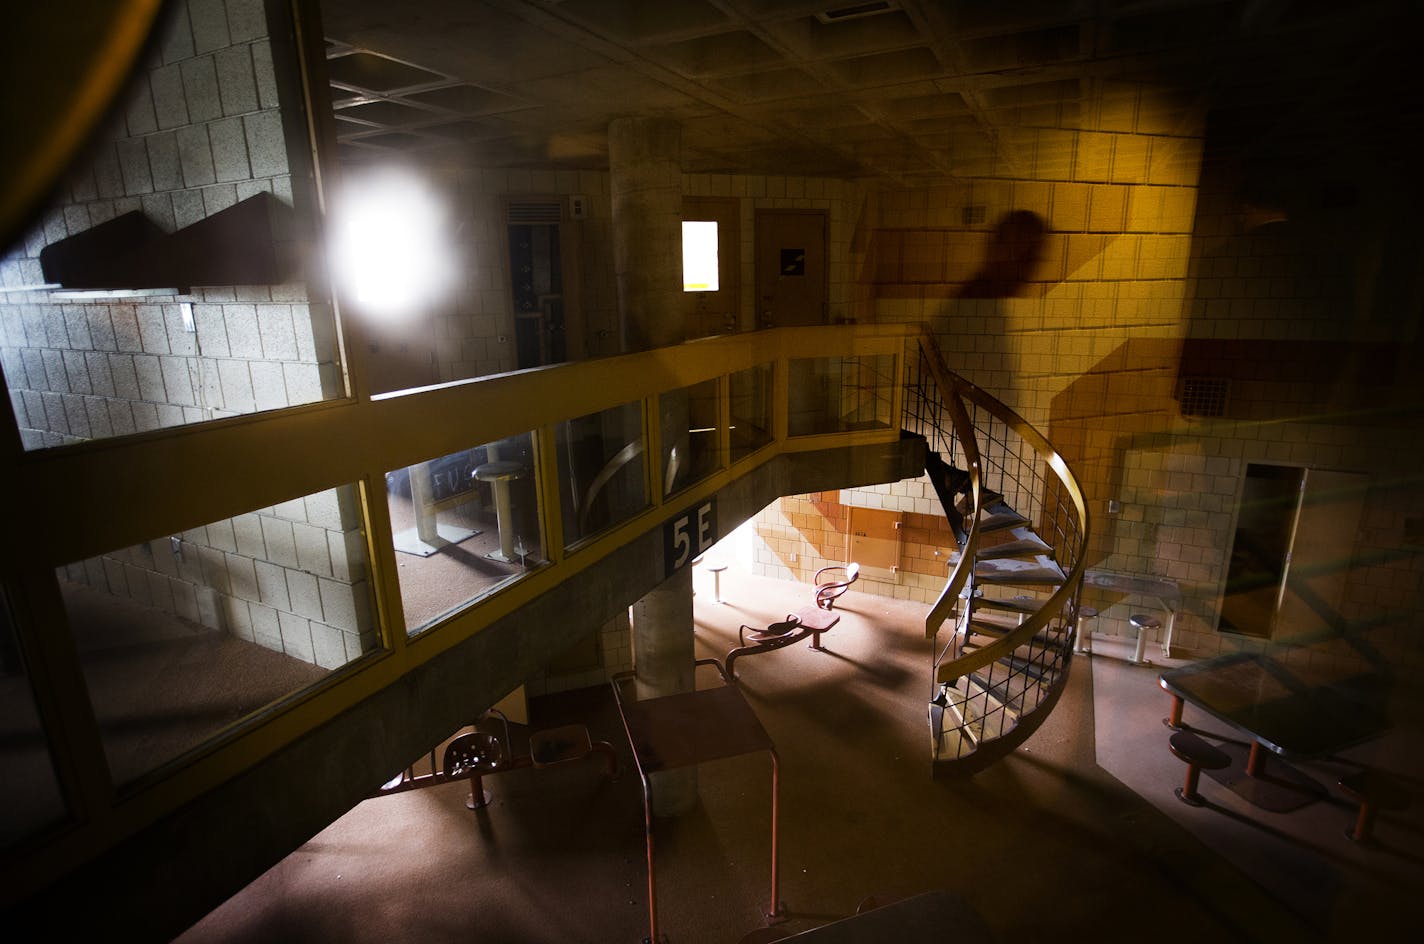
1002	629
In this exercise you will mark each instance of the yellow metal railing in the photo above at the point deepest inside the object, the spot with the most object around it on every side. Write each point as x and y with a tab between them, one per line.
89	499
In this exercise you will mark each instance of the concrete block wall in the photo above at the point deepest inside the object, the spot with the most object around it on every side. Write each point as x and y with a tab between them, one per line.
292	578
1141	254
845	204
615	654
199	131
474	329
799	534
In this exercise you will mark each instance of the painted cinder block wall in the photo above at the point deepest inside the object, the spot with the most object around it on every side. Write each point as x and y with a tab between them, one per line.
1136	264
202	127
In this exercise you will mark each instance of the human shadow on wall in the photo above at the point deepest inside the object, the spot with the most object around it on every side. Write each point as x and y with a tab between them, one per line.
972	325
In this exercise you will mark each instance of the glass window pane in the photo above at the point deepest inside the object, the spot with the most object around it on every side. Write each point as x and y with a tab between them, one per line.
30	799
840	394
183	636
119	313
699	256
689	435
464	525
751	410
601	471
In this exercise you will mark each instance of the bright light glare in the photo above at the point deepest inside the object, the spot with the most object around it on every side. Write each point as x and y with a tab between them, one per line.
699	256
390	248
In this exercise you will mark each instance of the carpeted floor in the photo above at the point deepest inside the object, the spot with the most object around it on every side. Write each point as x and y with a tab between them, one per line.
1075	834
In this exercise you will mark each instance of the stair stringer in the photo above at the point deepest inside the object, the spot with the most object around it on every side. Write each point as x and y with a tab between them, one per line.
993	750
939	406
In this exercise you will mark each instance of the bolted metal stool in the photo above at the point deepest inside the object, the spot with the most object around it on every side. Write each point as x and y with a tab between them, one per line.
1198	754
717	581
1086	614
1373	791
1144	623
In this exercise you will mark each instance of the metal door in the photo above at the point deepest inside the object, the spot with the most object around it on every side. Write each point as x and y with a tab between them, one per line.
791	271
1332	504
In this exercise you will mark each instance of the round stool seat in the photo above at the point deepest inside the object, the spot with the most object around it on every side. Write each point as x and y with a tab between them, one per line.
716	569
1373	791
1198	754
1144	623
1192	749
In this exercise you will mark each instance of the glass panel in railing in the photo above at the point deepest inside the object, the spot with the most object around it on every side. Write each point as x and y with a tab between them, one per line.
30	799
601	479
751	409
840	394
689	435
184	636
464	525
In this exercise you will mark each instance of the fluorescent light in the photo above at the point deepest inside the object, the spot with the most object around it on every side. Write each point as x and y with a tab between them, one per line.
390	249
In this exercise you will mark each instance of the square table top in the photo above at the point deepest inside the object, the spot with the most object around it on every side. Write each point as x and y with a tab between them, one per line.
1295	711
1164	589
688	728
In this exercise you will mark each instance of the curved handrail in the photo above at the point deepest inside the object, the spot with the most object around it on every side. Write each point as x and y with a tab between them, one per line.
610	468
943	607
953	393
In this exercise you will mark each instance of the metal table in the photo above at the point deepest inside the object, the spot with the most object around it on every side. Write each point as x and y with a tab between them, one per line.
932	916
691	728
1166	592
1296	712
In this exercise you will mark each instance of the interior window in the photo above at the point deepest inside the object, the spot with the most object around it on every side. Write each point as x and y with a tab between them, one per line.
699	256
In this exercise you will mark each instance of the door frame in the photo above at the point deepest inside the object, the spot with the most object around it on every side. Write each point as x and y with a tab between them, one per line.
729	255
762	213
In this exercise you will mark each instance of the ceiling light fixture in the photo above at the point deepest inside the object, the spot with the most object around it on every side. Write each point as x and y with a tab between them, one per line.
856	11
390	245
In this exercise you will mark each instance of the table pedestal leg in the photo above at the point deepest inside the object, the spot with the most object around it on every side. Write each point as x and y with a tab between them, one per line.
1256	760
1139	655
1174	718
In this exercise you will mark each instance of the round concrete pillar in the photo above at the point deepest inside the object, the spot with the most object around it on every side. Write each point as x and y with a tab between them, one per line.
663	655
645	177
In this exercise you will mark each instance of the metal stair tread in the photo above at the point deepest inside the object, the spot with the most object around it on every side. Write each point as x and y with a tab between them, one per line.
1033	668
999	631
1011	605
1040	570
1021	541
1008	691
998	516
986	716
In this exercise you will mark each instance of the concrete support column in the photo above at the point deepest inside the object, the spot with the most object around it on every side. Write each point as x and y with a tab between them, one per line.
663	655
645	177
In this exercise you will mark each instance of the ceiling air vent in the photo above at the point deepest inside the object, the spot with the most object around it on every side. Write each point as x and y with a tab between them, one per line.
1204	396
535	213
856	11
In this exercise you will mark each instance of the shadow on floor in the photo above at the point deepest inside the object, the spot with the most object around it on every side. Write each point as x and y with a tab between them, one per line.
1077	832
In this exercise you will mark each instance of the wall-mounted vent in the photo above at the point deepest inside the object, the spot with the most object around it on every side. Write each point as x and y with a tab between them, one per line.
856	11
1203	396
535	213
